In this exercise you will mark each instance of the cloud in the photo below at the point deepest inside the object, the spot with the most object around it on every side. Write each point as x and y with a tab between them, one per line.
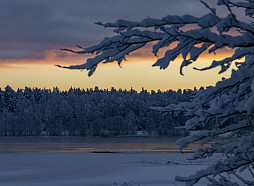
30	28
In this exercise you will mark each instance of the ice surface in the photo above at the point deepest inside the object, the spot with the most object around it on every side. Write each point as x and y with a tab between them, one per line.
87	169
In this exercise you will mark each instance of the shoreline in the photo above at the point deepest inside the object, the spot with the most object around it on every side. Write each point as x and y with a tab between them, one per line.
91	145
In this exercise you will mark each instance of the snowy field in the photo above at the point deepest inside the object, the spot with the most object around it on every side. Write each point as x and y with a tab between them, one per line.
40	161
95	169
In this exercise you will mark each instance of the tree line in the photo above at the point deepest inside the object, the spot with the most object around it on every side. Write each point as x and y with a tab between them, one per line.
90	112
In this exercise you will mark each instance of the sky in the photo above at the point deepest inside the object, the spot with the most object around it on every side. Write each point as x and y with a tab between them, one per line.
32	33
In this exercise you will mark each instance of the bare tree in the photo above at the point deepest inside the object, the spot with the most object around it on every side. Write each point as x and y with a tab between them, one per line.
227	108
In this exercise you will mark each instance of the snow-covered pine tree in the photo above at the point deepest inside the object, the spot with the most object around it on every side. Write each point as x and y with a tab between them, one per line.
229	105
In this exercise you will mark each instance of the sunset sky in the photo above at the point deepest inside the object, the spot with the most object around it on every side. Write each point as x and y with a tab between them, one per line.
32	33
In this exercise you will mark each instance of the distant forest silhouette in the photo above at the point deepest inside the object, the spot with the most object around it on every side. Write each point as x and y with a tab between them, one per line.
88	112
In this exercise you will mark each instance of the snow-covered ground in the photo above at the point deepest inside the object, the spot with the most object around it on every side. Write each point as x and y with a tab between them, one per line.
96	169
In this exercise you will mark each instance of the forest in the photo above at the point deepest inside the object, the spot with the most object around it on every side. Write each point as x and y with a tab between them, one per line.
90	112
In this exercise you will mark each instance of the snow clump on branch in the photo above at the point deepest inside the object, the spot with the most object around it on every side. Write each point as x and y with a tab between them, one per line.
224	113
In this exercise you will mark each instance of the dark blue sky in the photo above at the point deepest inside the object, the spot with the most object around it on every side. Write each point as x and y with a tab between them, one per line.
31	27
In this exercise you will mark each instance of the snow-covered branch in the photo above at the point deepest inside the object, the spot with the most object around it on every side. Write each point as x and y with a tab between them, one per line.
169	30
224	112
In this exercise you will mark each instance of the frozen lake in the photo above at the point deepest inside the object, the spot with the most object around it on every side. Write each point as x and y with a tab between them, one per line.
95	169
89	144
64	161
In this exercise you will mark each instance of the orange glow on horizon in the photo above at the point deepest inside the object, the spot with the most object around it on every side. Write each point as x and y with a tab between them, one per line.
68	58
136	73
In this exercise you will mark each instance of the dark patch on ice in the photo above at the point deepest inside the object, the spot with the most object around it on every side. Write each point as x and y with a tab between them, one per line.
104	152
